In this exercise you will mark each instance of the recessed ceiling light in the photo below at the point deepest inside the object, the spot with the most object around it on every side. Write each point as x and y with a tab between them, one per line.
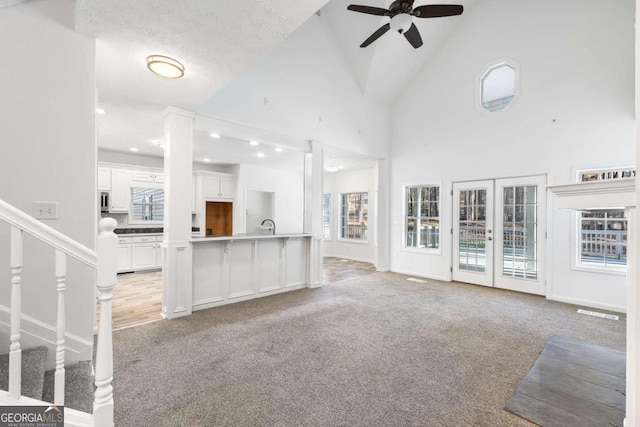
206	160
278	150
260	154
254	143
332	168
133	149
214	135
101	111
165	66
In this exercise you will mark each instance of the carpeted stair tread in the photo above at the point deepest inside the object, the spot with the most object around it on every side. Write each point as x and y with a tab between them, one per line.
33	368
78	391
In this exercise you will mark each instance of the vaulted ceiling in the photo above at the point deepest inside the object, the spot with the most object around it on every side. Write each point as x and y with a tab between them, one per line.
217	41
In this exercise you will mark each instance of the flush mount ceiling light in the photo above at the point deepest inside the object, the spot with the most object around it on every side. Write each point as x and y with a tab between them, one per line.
278	150
260	154
254	143
206	160
165	66
332	168
215	135
100	111
134	149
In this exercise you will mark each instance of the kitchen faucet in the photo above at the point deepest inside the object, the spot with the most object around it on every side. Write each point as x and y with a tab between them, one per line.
272	223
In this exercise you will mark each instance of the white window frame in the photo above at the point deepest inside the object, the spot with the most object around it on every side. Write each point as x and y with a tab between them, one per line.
132	220
341	219
405	217
330	211
576	230
490	67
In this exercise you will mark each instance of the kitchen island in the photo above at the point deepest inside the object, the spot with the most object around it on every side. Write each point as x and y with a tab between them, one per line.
229	269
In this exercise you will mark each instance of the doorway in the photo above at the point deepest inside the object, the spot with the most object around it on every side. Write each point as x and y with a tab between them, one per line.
499	229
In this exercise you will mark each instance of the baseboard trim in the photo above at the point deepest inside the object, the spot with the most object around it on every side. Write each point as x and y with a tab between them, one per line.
35	332
421	275
349	258
586	303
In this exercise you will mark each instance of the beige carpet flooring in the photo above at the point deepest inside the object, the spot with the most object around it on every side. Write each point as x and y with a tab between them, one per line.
137	299
376	350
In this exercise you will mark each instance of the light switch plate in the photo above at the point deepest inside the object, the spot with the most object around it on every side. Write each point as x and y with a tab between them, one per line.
45	210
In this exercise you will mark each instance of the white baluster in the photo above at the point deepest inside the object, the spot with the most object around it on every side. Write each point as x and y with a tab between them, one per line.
107	278
15	353
61	277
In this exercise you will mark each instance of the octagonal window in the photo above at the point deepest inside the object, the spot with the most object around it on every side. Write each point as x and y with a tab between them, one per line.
497	87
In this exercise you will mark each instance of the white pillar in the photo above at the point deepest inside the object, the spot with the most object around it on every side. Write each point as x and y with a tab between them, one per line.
633	296
176	248
313	176
633	329
382	217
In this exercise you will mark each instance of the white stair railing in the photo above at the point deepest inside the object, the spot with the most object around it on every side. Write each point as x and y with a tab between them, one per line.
104	262
15	352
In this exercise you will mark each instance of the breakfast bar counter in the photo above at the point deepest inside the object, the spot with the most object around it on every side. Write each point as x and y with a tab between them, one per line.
228	269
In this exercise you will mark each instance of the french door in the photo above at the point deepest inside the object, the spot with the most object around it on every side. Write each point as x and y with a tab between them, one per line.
498	233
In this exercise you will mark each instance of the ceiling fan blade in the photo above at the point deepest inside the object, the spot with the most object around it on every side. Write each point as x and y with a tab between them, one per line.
369	9
373	37
437	10
413	36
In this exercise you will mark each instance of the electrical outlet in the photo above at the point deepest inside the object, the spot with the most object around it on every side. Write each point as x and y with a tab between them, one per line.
45	210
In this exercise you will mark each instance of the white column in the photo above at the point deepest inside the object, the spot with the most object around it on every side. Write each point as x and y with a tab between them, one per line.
633	328
177	257
633	296
313	176
382	217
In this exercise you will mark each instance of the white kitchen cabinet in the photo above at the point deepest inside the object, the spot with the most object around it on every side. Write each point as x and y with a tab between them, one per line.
104	179
219	187
136	253
148	176
144	253
124	254
120	191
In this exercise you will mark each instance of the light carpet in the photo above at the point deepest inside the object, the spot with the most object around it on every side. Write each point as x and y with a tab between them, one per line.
372	351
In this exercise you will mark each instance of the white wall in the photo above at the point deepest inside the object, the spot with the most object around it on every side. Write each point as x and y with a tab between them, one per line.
47	137
575	110
355	181
310	94
288	187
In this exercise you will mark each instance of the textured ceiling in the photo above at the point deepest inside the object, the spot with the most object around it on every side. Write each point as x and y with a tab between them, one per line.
215	40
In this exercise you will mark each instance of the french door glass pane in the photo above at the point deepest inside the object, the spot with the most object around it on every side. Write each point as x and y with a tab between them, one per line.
519	227
472	224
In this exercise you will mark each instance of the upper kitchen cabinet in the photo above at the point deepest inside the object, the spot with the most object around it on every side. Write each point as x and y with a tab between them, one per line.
104	179
120	191
218	186
147	176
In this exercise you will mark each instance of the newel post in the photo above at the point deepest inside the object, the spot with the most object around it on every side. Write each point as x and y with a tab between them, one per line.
107	278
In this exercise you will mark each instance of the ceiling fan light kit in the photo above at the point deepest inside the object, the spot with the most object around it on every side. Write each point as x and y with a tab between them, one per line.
165	66
402	13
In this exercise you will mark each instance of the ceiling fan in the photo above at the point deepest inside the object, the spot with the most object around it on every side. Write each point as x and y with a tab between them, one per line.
401	13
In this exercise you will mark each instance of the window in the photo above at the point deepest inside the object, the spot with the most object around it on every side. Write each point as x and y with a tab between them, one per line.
603	238
354	216
498	86
326	216
423	217
147	204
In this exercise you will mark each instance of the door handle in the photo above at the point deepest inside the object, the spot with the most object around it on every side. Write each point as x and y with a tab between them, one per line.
489	238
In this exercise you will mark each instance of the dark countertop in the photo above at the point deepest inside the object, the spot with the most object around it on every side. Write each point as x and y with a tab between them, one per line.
154	230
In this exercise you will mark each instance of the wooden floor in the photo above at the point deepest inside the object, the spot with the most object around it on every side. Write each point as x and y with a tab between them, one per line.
573	383
137	299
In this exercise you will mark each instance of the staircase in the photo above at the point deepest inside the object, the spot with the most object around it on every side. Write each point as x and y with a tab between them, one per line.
37	383
22	371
